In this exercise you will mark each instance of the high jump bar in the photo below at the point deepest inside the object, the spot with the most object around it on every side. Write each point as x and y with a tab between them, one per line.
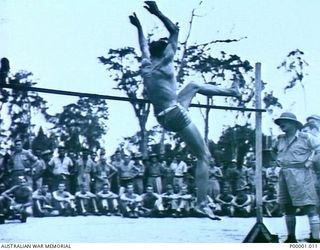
116	98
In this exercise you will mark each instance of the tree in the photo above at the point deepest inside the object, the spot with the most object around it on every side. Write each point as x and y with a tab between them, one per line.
42	142
20	106
198	61
234	143
122	64
81	124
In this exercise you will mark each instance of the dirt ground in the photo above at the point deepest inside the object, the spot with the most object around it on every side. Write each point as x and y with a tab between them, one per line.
101	229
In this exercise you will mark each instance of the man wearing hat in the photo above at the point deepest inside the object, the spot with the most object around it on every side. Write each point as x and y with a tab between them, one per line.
296	185
315	119
153	173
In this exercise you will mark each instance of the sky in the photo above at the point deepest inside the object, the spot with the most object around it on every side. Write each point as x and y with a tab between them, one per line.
59	42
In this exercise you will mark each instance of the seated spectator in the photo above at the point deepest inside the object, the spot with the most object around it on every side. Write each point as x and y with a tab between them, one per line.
86	201
64	201
241	205
42	202
223	202
271	207
108	201
170	201
19	198
151	205
185	203
130	202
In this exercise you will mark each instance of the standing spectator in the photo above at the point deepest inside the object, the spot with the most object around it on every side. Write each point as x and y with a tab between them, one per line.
42	202
272	174
167	173
64	201
231	175
117	162
104	172
20	164
4	159
180	170
85	168
153	173
312	128
4	70
39	167
139	170
215	174
251	174
296	184
314	119
108	201
47	176
126	173
60	168
241	179
73	170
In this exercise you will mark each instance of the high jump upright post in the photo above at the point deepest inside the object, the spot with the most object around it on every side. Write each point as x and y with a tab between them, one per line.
259	233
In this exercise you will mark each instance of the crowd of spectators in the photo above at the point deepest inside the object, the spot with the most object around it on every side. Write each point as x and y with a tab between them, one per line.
46	183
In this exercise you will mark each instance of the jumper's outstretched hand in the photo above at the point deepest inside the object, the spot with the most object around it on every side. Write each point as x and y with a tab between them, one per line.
152	7
135	20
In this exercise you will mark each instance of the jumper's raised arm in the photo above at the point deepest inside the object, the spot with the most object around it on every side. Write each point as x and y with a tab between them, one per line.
173	29
142	40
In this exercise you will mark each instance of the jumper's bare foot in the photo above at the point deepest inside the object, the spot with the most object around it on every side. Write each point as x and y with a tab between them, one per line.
205	211
235	88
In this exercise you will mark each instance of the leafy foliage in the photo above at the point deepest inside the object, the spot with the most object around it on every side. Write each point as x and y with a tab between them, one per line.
122	65
82	124
295	65
42	142
20	105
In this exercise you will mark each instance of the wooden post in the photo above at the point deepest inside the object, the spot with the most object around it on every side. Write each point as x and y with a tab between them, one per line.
258	143
259	233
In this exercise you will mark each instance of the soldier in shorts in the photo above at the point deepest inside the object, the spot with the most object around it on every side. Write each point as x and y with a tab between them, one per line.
296	184
170	108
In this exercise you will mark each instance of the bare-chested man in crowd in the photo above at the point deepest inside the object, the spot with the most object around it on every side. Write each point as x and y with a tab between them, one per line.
170	108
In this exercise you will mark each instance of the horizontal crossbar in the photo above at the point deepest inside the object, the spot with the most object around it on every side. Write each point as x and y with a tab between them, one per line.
115	98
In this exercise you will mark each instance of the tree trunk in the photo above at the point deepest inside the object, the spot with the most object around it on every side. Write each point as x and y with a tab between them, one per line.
206	121
162	148
144	142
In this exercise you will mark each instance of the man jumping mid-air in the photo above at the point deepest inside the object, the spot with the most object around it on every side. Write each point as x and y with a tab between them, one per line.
170	108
